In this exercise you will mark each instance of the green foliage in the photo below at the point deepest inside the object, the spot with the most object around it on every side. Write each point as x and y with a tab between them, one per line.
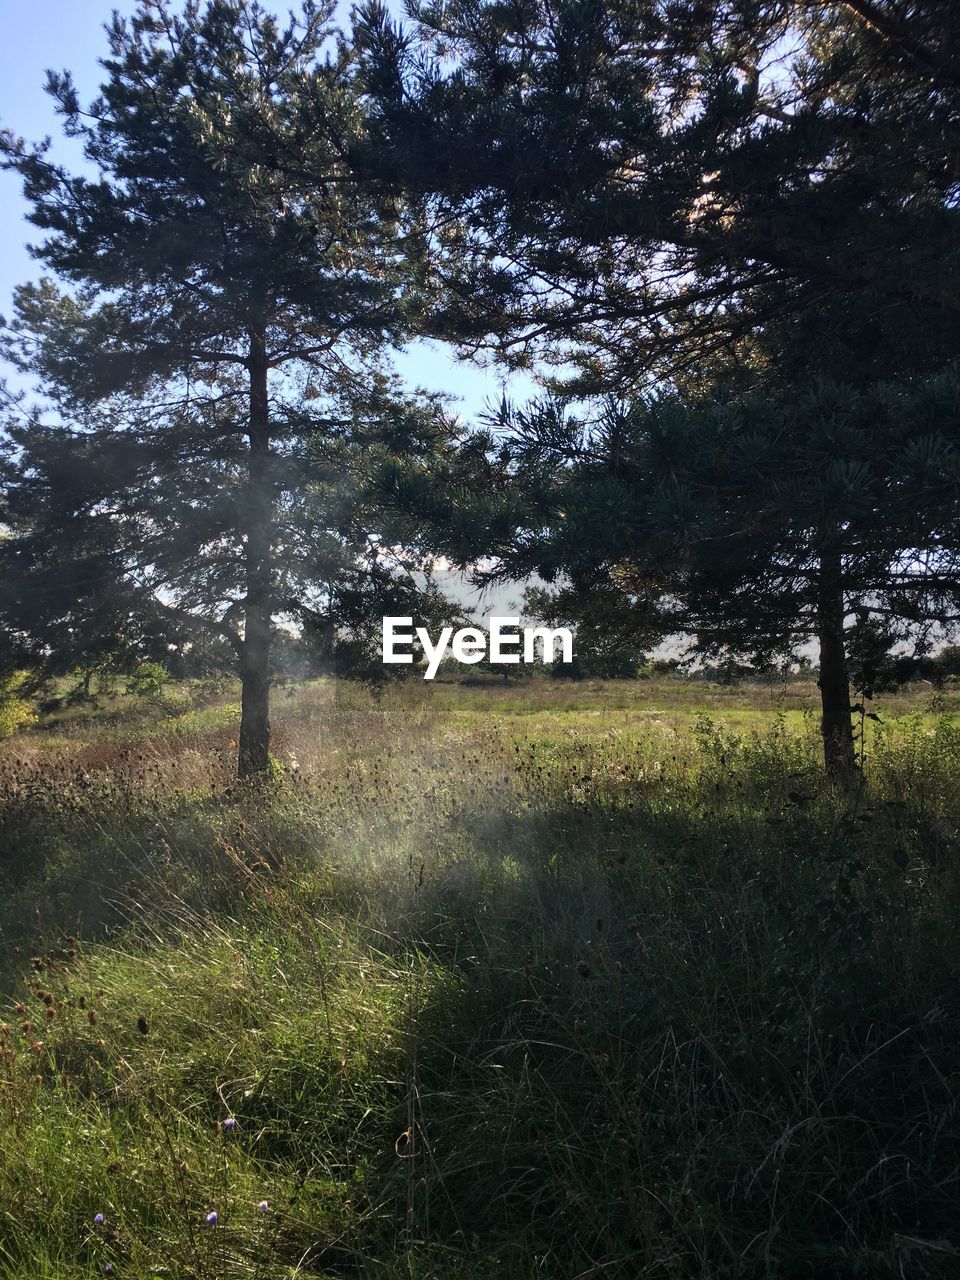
148	680
16	710
675	514
634	190
151	683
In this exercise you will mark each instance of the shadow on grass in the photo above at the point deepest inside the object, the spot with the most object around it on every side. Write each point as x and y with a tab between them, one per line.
546	1021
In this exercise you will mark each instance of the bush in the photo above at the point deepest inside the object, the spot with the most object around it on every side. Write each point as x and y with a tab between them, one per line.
147	681
152	683
16	712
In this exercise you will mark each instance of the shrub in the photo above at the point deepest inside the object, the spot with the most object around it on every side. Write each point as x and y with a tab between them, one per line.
147	681
16	712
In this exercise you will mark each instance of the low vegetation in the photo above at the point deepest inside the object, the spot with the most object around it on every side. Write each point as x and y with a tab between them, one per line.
607	983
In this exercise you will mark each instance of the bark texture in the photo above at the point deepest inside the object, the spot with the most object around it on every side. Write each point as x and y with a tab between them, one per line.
839	757
254	753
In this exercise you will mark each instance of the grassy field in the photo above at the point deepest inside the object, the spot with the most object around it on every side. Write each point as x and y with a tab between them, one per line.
527	981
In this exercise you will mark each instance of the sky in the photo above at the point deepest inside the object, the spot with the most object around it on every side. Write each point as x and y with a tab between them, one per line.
68	35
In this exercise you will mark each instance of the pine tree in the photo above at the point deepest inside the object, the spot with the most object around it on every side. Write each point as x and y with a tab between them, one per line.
753	523
211	341
634	190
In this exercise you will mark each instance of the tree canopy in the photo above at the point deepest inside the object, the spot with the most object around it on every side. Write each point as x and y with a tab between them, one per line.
635	190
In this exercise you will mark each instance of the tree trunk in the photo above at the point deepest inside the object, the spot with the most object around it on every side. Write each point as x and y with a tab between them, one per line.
839	757
254	753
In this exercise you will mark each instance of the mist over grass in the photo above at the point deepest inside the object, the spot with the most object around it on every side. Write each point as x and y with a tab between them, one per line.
546	980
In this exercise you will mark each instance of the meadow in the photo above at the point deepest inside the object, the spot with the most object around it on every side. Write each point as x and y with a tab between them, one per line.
547	980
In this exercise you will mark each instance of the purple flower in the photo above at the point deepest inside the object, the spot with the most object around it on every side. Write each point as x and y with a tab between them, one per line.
263	1206
230	1124
212	1218
98	1219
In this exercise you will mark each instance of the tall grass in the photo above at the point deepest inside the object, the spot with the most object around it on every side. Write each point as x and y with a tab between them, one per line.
557	983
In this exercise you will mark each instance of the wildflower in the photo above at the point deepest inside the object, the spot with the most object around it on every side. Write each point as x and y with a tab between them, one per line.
143	1026
108	1268
212	1218
230	1124
98	1219
263	1206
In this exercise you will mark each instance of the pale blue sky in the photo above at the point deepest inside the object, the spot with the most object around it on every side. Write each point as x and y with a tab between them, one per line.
68	34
